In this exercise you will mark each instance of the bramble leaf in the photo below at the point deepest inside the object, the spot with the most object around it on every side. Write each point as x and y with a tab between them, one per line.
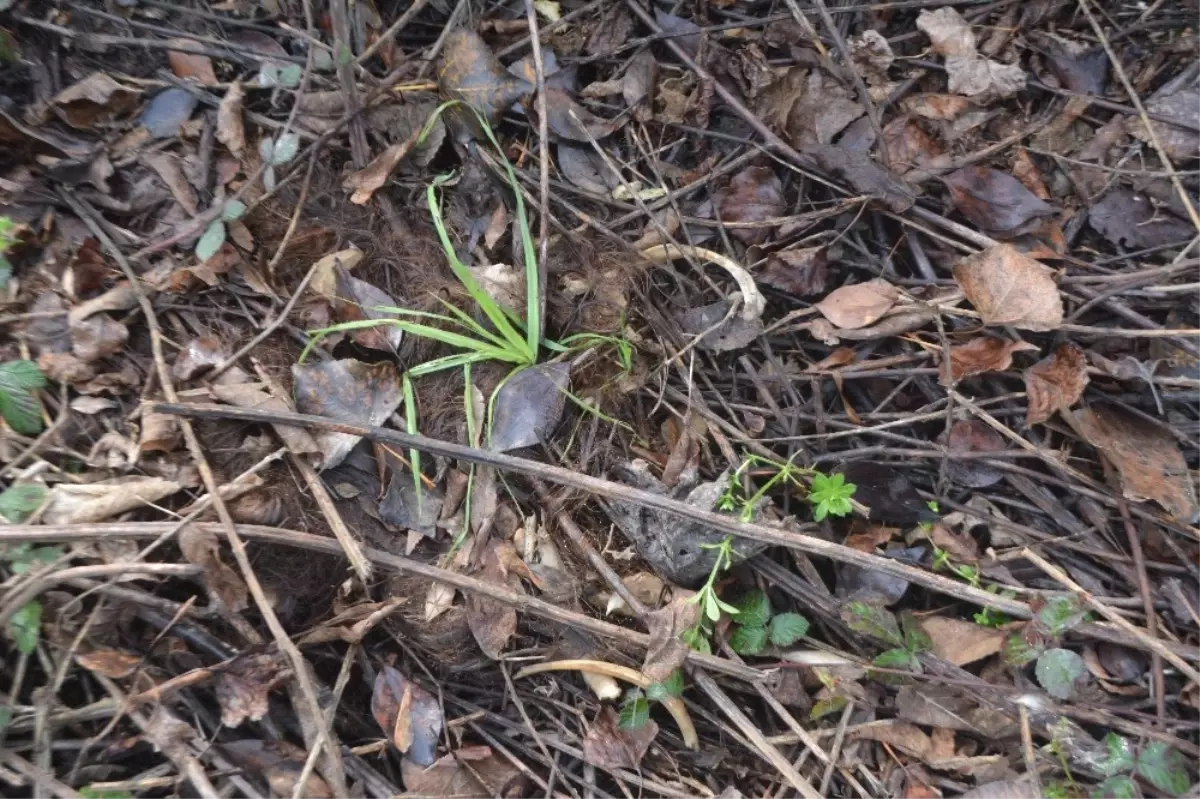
787	628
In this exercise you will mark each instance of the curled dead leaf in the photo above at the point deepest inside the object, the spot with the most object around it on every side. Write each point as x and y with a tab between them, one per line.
754	194
800	270
231	129
366	181
979	355
1010	288
243	687
608	745
1055	383
95	99
859	304
962	642
199	546
80	503
409	716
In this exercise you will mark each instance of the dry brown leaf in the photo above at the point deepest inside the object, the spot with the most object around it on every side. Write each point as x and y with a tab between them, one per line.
243	687
948	32
607	745
231	129
908	738
800	270
860	304
940	107
962	642
366	181
191	65
160	432
170	171
199	545
280	762
875	535
959	545
979	355
494	623
908	146
753	195
72	503
349	391
666	652
1055	383
252	395
324	279
973	435
983	79
1010	288
97	337
470	771
95	99
1147	456
115	664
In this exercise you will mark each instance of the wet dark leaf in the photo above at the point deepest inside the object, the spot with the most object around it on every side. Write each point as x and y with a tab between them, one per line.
357	299
470	771
863	175
1010	288
280	762
800	270
1147	456
1055	383
887	492
683	32
167	111
753	195
493	623
349	391
1086	72
994	201
608	745
570	120
529	406
722	331
1180	144
586	169
1129	219
972	435
612	32
410	716
200	546
470	72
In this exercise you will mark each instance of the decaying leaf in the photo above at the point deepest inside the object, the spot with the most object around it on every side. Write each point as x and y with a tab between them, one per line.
1129	219
493	623
280	762
94	100
116	664
908	738
1180	144
973	435
231	129
587	170
607	745
570	120
1147	456
470	771
252	395
908	146
191	65
962	642
97	337
1010	288
470	72
243	687
667	651
979	355
948	32
799	270
80	503
409	716
529	406
1055	383
366	181
349	391
753	195
969	73
355	300
859	304
200	546
994	201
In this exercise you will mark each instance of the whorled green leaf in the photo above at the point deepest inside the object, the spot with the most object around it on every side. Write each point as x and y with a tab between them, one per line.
17	502
1163	767
786	629
19	405
211	241
753	609
748	640
1058	670
1119	758
872	620
25	626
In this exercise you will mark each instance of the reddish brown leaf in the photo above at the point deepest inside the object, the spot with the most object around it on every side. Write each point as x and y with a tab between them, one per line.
979	355
994	201
1030	176
470	771
1147	456
859	304
962	642
1055	383
959	545
753	195
942	107
191	65
244	686
112	663
666	652
907	145
1009	288
410	716
366	181
801	270
972	435
876	535
608	746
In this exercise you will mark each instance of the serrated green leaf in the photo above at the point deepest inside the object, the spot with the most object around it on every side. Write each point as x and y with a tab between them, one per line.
634	713
874	621
1119	758
1060	614
285	149
1121	787
24	627
19	405
17	502
1057	670
211	241
754	609
674	684
748	640
695	638
898	658
787	628
233	210
1164	768
32	558
915	638
1017	651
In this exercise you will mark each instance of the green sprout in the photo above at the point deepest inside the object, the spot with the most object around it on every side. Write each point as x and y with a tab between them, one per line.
830	495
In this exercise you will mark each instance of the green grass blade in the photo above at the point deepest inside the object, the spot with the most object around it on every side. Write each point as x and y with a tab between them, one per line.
448	362
410	424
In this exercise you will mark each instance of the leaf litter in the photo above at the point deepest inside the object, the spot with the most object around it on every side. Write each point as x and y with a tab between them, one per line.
993	279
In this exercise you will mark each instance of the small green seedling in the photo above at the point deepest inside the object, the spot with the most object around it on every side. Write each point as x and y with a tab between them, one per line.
756	624
635	710
828	494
